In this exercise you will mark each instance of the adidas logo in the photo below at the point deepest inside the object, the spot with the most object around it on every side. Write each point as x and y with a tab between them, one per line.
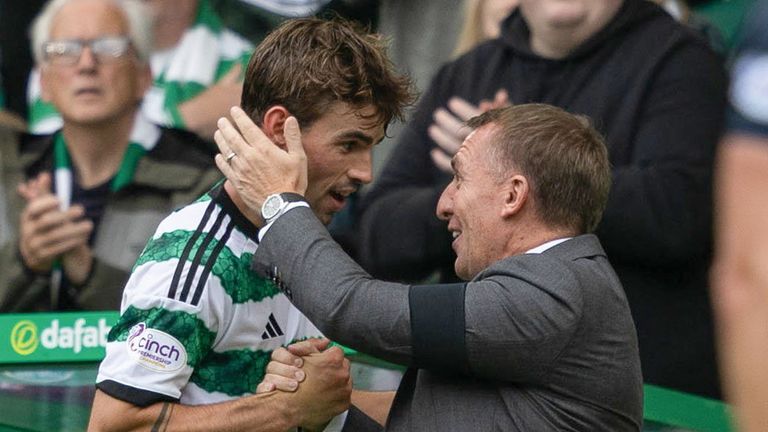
273	330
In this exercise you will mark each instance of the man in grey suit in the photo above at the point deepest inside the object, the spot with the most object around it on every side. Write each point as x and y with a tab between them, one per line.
540	338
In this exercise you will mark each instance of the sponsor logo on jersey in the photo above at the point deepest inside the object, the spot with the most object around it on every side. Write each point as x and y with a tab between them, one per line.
155	349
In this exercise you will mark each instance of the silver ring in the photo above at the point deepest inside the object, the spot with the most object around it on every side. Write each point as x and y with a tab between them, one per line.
230	157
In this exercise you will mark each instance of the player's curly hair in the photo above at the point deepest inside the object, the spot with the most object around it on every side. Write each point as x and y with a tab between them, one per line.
308	64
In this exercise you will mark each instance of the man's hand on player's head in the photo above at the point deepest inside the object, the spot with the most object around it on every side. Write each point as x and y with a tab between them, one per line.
254	165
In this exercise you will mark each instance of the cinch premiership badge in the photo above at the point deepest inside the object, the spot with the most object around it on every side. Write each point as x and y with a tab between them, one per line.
155	350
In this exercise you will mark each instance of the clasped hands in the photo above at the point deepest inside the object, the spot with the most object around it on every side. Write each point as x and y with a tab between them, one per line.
318	375
47	232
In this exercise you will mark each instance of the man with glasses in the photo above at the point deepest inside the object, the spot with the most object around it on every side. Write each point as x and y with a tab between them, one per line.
95	189
197	66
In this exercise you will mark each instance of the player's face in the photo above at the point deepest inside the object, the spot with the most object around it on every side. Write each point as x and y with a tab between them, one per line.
339	147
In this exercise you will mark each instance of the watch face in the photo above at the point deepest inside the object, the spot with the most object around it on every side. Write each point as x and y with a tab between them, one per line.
271	206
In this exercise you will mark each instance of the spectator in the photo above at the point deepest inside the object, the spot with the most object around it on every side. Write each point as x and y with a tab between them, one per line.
193	285
96	189
740	275
655	91
540	338
196	64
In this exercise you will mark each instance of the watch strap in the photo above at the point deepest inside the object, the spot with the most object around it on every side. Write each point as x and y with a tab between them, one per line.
290	206
292	197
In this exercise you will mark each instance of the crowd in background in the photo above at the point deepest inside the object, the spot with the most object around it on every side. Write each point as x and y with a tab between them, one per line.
655	87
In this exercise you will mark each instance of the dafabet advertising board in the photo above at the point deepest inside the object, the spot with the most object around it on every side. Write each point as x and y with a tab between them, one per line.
54	337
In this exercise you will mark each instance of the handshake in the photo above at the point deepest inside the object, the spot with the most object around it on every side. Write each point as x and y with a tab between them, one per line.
317	377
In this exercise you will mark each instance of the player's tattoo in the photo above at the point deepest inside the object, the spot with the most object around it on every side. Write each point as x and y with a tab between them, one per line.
161	424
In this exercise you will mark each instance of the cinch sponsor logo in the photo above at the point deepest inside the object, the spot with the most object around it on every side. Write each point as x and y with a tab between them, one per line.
25	341
156	350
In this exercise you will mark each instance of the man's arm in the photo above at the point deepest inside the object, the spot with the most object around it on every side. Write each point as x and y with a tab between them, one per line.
324	393
740	275
740	271
455	327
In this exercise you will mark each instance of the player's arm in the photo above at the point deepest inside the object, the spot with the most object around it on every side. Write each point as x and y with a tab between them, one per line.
276	411
324	394
258	413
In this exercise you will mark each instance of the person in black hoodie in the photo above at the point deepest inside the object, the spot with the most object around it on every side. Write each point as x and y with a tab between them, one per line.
657	92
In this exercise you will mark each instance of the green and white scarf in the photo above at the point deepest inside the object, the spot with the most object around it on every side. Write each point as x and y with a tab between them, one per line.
205	53
143	138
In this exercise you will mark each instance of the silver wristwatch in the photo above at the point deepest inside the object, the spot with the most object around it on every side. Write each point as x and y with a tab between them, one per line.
275	205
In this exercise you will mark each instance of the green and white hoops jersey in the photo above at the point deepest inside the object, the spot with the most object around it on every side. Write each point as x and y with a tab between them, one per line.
197	324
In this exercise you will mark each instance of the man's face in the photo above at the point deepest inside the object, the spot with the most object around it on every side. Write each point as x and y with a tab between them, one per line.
470	204
93	90
339	146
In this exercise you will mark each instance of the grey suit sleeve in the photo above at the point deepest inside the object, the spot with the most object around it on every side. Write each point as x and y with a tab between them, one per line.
340	298
509	325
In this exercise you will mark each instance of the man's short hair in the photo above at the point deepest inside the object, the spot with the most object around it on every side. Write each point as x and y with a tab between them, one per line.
308	64
561	154
137	16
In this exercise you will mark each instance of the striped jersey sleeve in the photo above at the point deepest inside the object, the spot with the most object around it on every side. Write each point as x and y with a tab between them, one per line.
197	325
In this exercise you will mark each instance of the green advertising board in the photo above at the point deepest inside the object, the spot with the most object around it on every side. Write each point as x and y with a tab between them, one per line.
54	337
42	390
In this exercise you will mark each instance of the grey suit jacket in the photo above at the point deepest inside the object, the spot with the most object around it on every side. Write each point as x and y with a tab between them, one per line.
535	342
